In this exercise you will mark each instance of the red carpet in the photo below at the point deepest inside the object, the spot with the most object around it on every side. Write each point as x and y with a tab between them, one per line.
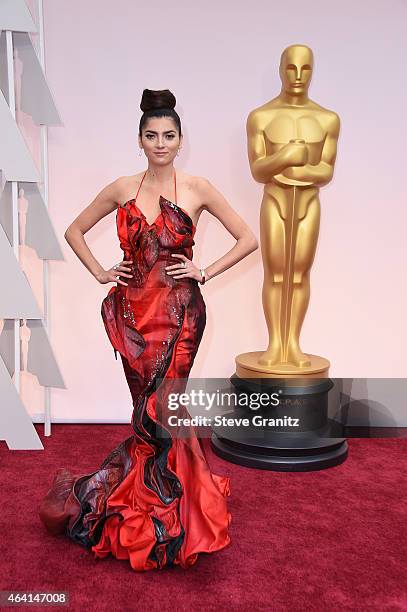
329	540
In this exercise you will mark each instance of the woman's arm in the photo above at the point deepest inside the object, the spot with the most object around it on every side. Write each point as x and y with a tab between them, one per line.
246	242
104	203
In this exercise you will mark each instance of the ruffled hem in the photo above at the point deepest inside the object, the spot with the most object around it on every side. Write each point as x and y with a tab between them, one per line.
132	536
142	523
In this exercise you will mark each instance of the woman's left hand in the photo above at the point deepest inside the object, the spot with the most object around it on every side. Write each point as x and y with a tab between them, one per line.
184	268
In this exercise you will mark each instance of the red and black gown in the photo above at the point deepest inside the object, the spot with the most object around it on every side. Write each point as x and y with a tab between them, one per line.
154	499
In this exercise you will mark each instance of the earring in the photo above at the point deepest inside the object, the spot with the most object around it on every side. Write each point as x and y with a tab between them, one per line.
178	151
140	152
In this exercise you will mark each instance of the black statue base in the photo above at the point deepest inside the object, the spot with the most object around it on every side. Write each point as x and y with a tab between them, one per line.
295	435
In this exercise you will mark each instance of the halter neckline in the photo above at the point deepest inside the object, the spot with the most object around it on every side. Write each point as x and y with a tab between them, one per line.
162	201
138	190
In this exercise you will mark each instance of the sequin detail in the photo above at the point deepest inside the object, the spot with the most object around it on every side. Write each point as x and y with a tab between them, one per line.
127	311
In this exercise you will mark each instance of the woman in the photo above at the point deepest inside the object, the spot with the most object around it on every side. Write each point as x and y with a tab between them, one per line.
154	499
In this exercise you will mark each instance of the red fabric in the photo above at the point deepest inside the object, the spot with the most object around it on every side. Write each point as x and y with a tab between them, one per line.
154	500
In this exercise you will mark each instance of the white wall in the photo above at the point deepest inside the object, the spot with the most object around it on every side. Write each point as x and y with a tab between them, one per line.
221	60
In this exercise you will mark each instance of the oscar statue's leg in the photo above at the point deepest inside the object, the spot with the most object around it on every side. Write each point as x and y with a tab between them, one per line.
300	301
272	295
306	243
272	249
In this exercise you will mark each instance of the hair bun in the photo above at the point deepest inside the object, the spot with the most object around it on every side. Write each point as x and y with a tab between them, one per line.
153	99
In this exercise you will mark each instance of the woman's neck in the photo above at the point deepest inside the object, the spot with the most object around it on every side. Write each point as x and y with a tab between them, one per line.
160	174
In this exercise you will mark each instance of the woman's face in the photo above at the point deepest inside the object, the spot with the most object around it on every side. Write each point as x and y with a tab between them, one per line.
160	140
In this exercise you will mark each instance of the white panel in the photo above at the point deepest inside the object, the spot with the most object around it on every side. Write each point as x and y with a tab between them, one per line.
41	360
3	65
36	97
39	231
14	15
16	298
16	427
6	211
7	345
15	158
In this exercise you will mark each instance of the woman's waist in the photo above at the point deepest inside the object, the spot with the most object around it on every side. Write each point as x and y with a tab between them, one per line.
157	275
160	283
138	254
142	261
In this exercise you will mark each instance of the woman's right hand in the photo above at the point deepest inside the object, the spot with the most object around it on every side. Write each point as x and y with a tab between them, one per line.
111	275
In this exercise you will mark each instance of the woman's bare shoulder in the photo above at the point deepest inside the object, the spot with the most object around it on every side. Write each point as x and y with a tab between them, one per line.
194	182
134	179
127	186
196	188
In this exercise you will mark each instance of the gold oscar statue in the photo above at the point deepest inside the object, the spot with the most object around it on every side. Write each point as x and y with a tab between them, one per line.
292	145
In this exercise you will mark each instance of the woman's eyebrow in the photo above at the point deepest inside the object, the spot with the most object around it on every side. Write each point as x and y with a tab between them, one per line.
154	132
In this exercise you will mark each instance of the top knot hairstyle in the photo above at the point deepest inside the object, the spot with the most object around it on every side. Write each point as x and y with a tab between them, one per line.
158	103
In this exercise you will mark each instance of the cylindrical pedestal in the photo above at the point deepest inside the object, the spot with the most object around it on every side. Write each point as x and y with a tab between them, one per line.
294	434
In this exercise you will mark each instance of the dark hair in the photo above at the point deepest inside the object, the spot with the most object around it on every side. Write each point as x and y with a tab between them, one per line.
158	103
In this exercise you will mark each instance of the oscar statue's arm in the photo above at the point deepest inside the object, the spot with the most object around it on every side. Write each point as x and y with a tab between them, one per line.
321	173
262	167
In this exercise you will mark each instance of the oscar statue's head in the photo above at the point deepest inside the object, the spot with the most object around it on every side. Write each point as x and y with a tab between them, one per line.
296	69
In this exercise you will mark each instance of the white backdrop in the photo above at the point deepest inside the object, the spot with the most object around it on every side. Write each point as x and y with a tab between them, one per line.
221	62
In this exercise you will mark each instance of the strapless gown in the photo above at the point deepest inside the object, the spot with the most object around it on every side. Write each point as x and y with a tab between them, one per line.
154	499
